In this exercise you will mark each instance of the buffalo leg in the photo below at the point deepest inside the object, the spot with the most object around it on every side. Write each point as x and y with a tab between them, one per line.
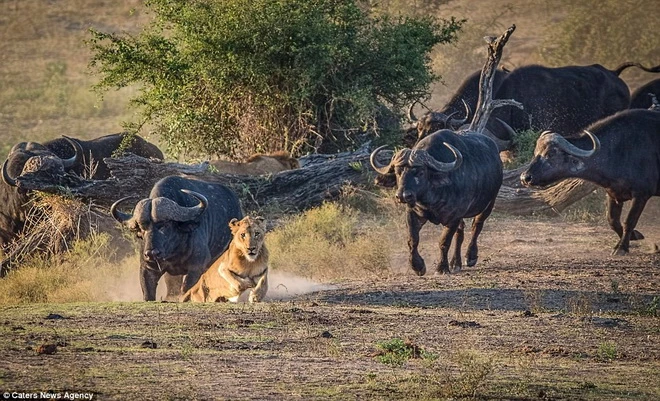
191	279
173	285
149	281
614	218
472	254
636	210
445	242
456	262
415	224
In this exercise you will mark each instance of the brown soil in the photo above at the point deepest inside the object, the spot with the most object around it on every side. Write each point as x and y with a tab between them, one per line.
546	314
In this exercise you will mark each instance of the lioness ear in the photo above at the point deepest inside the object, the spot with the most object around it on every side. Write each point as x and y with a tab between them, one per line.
233	224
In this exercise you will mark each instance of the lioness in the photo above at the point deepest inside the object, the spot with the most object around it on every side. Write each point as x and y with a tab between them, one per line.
242	266
258	164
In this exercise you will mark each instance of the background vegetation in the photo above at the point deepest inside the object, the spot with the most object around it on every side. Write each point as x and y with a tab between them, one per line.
236	77
45	85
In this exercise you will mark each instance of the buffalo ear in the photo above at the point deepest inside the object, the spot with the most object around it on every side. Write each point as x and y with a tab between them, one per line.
386	181
188	226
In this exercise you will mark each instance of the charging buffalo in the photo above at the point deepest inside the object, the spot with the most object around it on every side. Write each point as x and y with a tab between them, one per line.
184	227
445	178
620	153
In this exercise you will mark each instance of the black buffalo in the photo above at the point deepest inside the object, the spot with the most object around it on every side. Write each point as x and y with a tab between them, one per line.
641	98
184	227
563	99
92	152
454	114
82	157
445	178
24	157
620	153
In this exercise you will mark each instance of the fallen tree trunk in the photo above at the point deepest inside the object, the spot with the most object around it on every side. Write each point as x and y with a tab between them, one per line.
288	191
322	178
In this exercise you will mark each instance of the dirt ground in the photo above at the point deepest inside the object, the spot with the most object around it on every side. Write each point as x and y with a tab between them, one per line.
546	314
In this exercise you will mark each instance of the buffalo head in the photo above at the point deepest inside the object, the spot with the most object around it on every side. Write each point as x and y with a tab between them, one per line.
162	224
433	121
555	158
416	171
30	157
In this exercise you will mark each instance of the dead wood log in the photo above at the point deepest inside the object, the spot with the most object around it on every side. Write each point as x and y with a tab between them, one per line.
485	103
290	191
322	179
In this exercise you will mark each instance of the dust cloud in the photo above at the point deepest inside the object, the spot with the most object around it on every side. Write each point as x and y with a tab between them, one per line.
125	285
282	285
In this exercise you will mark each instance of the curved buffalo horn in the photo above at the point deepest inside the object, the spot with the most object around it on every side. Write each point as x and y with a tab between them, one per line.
424	157
380	168
574	150
459	122
448	118
411	116
77	157
120	216
195	211
5	176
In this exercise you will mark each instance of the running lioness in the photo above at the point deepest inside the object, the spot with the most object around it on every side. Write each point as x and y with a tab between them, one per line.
242	266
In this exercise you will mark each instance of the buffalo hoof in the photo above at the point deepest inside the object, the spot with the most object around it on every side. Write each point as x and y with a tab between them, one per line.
636	236
418	265
456	264
472	257
619	251
442	268
420	272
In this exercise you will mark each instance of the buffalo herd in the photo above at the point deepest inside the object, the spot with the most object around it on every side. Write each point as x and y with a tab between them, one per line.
594	129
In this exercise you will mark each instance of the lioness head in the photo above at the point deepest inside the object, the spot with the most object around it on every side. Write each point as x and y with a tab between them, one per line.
248	235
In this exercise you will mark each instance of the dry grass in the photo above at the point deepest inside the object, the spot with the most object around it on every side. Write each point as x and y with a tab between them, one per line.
90	272
328	243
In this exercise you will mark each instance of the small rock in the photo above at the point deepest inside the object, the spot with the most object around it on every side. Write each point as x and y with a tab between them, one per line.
464	325
47	349
149	344
326	334
55	316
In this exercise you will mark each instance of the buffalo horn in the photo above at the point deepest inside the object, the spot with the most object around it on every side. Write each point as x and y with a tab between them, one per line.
120	216
574	150
5	176
411	116
428	160
203	202
76	159
380	168
455	123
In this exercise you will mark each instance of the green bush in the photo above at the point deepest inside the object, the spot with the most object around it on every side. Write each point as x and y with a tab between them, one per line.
237	76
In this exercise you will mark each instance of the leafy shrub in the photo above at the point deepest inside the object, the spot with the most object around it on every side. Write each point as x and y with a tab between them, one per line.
237	76
523	143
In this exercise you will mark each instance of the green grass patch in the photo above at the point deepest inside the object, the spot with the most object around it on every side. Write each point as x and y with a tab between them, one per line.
397	352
